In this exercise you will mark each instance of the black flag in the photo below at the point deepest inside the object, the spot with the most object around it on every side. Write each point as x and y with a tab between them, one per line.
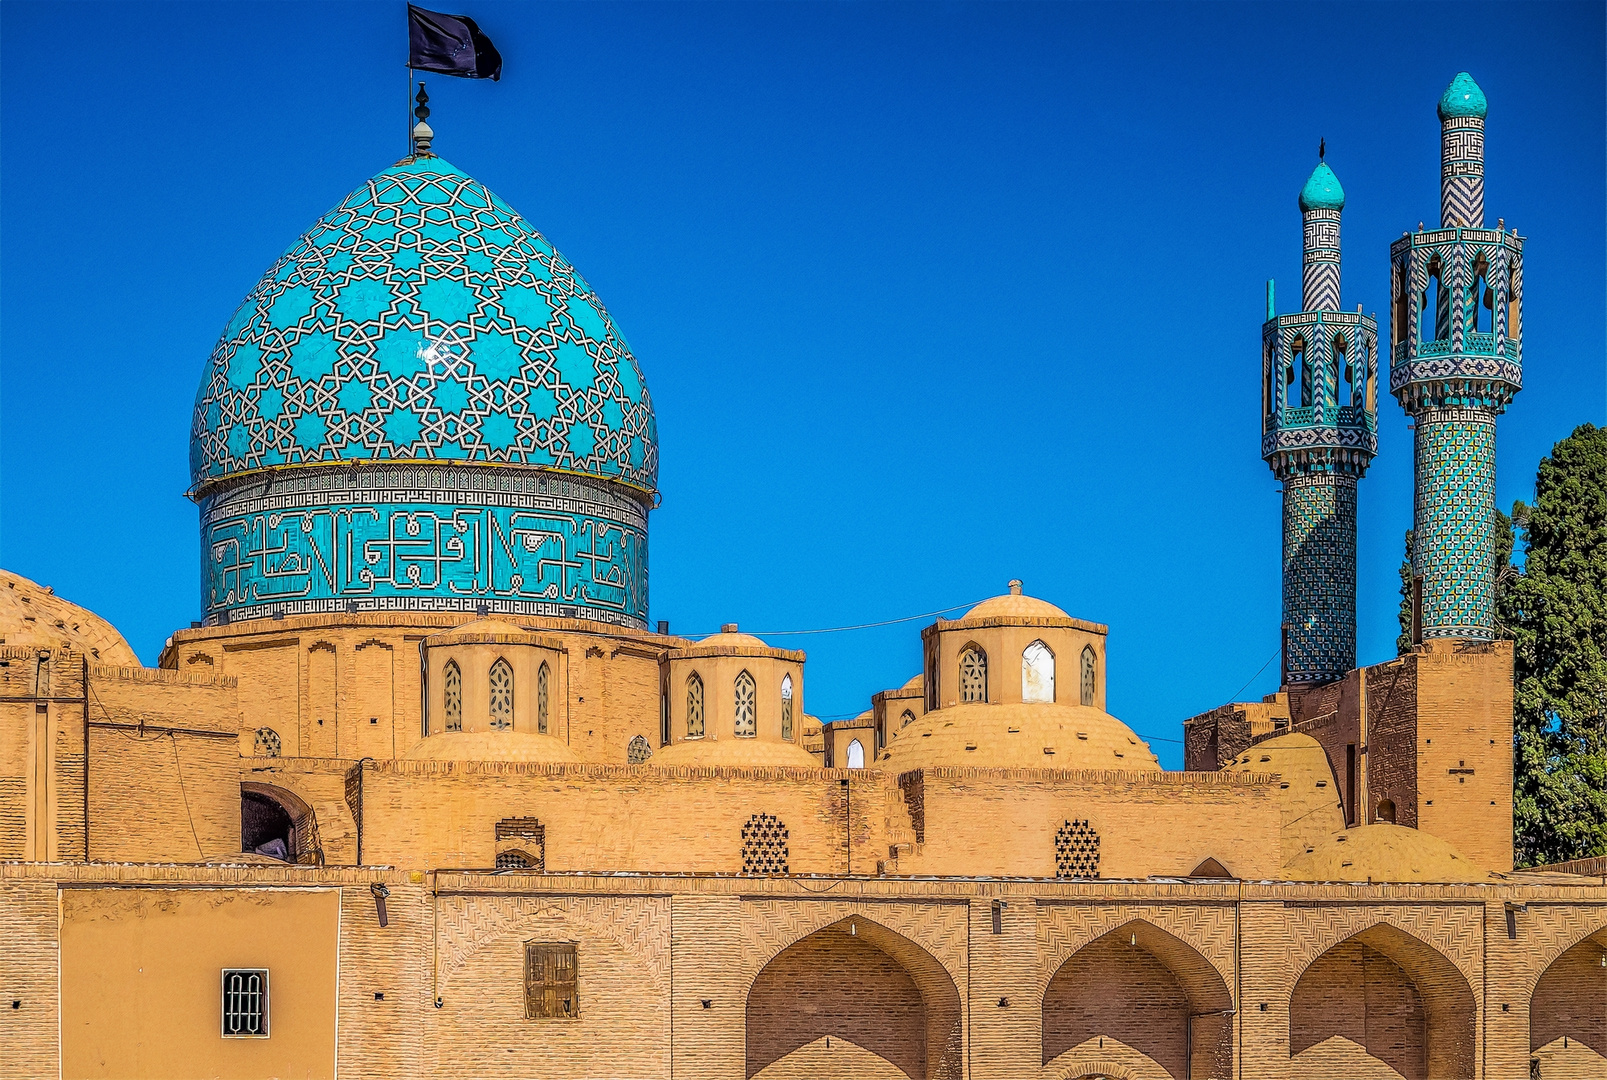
450	45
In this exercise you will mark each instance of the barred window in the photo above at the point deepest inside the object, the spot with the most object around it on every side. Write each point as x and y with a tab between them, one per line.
521	844
637	752
973	674
543	679
907	719
501	696
786	707
746	724
267	743
1090	676
454	696
552	983
245	1003
694	706
764	845
1037	673
1076	850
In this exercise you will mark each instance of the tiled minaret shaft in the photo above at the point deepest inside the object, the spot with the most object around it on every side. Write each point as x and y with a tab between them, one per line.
1456	362
1319	432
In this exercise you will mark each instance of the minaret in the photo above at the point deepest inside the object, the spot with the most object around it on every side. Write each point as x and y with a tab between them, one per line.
1457	361
1319	432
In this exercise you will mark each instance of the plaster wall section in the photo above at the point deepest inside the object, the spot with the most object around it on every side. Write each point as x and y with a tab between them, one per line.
1464	759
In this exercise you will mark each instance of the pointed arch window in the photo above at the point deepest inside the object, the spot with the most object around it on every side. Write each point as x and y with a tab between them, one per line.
637	751
1299	378
907	719
786	707
856	755
1482	299
694	706
543	696
973	674
746	707
1037	673
454	696
501	696
1090	676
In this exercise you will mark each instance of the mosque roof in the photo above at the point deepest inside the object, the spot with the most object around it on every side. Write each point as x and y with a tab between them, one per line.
33	616
1015	605
740	753
1018	736
422	319
492	746
1463	98
1381	852
1322	190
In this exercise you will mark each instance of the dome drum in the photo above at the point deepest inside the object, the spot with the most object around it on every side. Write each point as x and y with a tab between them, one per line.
731	687
445	537
1011	649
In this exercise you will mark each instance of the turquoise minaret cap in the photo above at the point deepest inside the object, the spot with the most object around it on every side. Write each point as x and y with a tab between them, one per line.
1322	190
1463	98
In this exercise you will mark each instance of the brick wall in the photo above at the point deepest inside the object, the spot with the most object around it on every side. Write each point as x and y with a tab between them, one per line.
1115	990
1357	993
1004	821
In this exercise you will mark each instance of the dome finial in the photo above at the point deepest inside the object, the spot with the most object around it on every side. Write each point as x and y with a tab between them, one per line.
423	134
1322	149
1015	586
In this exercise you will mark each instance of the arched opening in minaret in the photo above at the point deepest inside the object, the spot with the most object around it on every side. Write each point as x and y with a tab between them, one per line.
1345	390
1481	302
1299	376
1435	309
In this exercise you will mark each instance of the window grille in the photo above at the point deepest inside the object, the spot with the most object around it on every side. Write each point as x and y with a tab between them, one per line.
764	845
973	674
245	1003
786	707
694	706
1037	673
1090	676
746	724
907	719
1077	851
454	697
267	743
501	696
523	837
513	859
638	751
552	983
543	678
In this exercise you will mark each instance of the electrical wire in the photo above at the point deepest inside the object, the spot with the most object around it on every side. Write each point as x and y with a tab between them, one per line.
857	626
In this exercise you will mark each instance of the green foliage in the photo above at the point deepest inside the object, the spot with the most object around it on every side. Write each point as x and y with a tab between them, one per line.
1403	644
1556	613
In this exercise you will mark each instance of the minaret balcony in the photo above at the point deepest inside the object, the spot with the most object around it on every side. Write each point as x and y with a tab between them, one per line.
1345	436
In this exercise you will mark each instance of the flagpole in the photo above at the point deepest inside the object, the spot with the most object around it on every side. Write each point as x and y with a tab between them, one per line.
409	111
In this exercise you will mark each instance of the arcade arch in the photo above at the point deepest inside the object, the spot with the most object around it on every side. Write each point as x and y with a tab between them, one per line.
853	999
1139	997
1381	997
278	823
1568	1012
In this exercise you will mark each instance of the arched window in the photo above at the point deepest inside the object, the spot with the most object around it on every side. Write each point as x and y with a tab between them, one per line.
1344	375
501	696
454	696
1386	811
856	755
637	752
786	707
1076	850
1481	299
907	719
1090	676
764	845
973	674
543	687
746	724
266	743
694	706
1037	673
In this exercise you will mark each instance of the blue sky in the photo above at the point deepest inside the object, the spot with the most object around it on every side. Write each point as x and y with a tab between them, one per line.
927	297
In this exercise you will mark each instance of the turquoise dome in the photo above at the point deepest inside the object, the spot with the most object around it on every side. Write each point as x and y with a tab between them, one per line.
424	320
1322	190
1463	98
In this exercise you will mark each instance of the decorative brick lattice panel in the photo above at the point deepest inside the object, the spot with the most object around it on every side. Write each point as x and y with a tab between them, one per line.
638	751
1076	851
267	743
764	845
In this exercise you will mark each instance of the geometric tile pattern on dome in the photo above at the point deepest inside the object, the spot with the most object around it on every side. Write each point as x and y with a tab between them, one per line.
423	319
448	537
1319	576
1453	547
